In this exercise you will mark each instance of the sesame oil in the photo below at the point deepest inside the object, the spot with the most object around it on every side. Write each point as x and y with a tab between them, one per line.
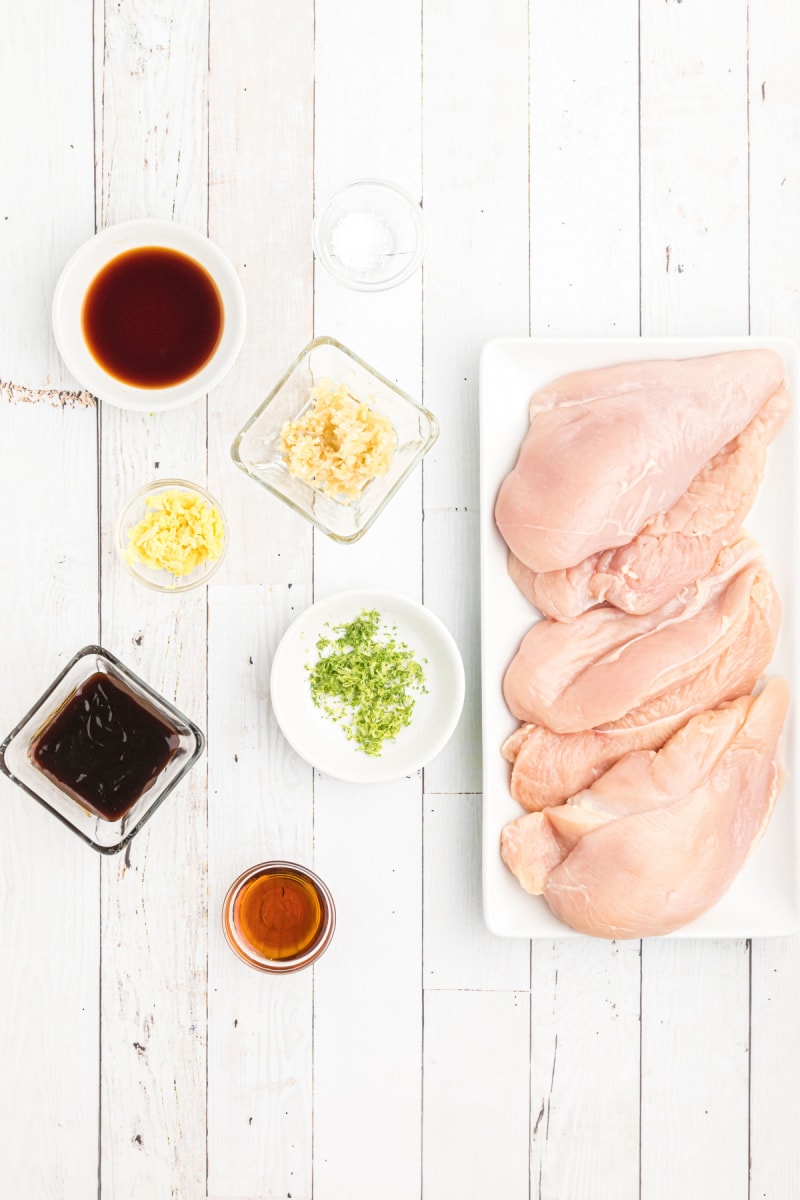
277	914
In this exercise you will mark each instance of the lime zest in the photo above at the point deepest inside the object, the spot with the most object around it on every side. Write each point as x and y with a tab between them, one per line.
366	680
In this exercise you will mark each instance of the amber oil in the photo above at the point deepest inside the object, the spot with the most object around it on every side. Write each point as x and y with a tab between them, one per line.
278	916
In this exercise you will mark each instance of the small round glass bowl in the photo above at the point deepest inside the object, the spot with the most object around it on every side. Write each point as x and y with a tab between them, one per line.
369	235
136	509
296	925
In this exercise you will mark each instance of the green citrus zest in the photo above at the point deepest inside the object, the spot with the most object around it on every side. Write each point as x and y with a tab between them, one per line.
366	681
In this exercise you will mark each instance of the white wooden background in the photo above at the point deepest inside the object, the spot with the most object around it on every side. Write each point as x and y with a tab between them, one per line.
585	168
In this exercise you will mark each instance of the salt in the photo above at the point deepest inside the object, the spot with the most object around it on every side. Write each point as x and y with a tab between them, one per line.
361	241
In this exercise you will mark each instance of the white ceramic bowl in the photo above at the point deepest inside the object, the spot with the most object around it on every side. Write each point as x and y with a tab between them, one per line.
321	741
84	266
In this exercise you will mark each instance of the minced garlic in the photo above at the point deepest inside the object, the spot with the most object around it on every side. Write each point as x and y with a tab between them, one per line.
339	443
181	531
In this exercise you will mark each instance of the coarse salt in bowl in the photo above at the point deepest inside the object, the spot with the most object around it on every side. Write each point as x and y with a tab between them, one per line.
369	235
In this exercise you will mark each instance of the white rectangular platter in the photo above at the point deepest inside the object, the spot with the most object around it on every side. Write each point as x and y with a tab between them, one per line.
765	898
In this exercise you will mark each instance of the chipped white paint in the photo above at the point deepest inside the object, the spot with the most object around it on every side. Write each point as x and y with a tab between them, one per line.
584	169
15	393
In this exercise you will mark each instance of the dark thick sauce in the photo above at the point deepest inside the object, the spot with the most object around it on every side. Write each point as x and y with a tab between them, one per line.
152	317
279	914
104	747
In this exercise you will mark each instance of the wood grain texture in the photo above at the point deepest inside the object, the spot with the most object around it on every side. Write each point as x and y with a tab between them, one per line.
774	123
49	880
584	267
695	1011
367	841
583	170
47	151
261	116
476	1101
695	1049
475	171
367	992
694	168
151	94
459	951
260	1129
585	1070
584	183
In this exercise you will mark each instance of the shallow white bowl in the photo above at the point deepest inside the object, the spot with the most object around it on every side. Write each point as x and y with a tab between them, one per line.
321	741
82	268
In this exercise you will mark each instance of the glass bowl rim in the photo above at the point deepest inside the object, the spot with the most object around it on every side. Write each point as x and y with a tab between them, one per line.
324	340
95	650
123	521
370	285
287	965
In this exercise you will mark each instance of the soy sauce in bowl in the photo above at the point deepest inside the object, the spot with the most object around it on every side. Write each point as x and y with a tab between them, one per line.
152	317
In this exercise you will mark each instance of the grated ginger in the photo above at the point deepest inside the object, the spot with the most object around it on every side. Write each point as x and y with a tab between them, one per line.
339	443
179	533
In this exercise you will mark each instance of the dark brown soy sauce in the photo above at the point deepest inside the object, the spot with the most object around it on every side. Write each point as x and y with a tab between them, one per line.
152	317
104	747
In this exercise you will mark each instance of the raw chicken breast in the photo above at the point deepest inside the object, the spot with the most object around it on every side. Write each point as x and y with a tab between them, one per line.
608	666
609	448
659	838
673	548
548	766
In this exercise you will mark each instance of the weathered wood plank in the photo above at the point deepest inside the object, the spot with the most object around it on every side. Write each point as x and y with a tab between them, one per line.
695	1051
151	93
694	168
49	896
585	1062
261	114
367	841
49	880
475	175
584	189
774	28
259	808
459	951
367	993
584	264
476	1106
694	280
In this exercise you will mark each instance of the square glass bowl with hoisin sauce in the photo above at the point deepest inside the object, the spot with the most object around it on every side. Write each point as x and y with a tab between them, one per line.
101	750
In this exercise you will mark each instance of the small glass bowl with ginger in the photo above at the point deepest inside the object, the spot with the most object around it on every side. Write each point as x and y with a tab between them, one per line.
172	535
334	440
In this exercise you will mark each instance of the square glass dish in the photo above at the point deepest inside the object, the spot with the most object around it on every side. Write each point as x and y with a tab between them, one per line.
256	449
71	751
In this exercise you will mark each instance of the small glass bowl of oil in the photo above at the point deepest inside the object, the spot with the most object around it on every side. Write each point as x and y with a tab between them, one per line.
278	917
